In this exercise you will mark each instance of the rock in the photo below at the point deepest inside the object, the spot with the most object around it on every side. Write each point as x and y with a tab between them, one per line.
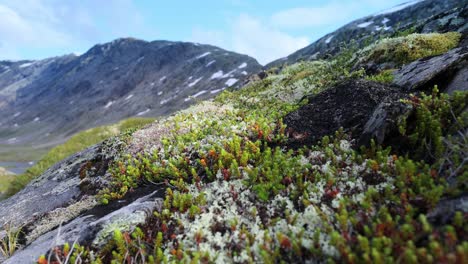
358	106
57	187
459	81
90	229
444	211
382	126
441	70
67	193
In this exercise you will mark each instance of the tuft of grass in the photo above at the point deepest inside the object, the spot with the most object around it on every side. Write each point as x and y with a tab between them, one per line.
9	244
76	143
385	76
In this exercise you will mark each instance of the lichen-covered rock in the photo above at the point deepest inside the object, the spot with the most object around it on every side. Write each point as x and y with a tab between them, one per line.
90	228
440	70
349	105
58	187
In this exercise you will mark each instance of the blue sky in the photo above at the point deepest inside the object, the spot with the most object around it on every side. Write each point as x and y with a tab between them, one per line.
265	30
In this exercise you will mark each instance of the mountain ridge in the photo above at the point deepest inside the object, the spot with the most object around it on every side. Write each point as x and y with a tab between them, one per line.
111	81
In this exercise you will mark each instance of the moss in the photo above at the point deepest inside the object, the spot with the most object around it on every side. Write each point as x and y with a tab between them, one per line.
385	76
403	50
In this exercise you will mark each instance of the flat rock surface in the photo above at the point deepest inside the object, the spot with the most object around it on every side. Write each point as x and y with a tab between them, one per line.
440	70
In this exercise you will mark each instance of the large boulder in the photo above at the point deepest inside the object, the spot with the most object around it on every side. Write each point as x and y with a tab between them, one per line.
442	70
61	205
365	109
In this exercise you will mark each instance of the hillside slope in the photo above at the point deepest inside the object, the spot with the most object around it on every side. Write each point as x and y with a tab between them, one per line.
47	101
414	16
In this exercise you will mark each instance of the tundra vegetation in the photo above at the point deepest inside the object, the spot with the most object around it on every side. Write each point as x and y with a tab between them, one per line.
237	193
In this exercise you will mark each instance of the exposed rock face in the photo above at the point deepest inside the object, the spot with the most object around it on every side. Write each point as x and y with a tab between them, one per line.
357	106
447	71
49	100
65	195
91	229
423	16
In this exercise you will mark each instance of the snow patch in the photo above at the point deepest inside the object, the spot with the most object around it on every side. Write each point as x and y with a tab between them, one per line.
204	55
140	59
231	81
24	65
195	82
216	91
159	93
385	20
329	39
36	119
129	96
164	101
162	78
209	63
199	93
365	24
217	75
195	95
11	140
17	114
143	112
108	104
244	72
243	65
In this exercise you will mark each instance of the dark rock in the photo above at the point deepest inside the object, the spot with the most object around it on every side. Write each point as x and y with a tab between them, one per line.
442	70
382	126
358	106
459	81
444	211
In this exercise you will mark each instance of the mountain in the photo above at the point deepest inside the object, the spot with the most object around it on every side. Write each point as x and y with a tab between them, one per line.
415	16
49	100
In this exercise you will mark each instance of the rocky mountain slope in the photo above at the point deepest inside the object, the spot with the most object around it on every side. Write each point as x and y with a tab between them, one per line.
419	16
51	99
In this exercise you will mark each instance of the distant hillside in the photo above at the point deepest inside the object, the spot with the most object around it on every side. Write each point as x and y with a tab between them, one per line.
414	16
46	101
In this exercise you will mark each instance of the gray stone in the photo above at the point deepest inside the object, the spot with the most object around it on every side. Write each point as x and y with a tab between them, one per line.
87	228
424	73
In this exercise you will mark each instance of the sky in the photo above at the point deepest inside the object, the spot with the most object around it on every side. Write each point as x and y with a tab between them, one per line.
264	29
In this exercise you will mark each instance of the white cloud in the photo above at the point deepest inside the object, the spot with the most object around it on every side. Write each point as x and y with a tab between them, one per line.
312	17
65	26
333	12
252	36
